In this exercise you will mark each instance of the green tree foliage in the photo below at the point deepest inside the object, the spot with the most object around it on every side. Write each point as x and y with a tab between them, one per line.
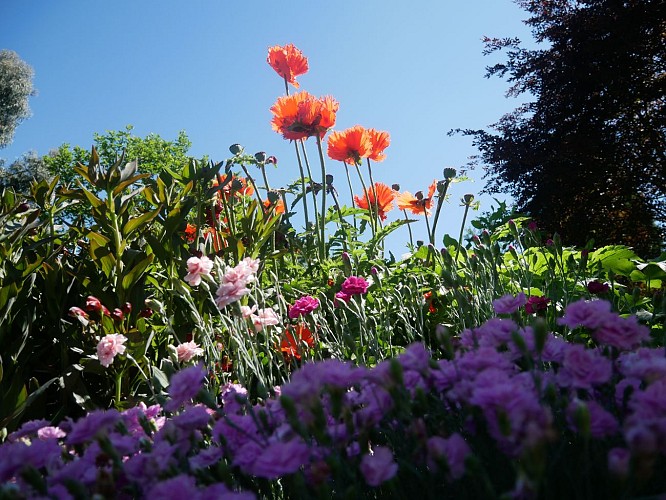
15	89
586	157
22	172
153	153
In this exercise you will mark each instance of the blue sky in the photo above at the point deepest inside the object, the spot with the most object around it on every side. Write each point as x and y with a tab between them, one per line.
414	69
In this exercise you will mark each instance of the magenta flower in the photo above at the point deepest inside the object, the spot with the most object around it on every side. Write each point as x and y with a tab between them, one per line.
340	298
109	346
304	305
378	467
509	304
197	267
536	303
77	311
354	285
188	350
596	287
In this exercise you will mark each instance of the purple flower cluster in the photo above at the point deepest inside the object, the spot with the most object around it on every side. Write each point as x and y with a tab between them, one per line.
504	389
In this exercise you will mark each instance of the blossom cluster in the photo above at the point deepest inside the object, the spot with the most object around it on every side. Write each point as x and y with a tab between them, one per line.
507	387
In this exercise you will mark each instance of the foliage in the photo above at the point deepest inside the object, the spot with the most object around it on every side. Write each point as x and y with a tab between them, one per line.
22	172
586	157
15	89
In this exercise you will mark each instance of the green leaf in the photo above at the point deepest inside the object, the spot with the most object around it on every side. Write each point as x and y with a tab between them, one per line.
130	279
136	222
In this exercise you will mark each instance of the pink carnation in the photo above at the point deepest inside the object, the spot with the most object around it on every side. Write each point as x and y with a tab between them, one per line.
263	318
583	368
354	285
234	282
509	304
304	305
109	346
188	350
197	267
622	333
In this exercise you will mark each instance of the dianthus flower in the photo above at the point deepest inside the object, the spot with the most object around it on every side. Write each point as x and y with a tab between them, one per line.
304	305
354	285
188	350
509	304
536	303
288	62
109	346
582	368
587	313
452	451
302	115
263	318
379	466
383	203
235	280
184	385
623	333
197	267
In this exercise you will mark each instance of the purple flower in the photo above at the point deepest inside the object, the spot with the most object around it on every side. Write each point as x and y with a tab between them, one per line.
176	488
279	459
587	313
618	461
354	285
453	451
601	422
379	466
28	428
416	357
582	368
509	304
50	432
303	306
644	363
184	385
623	333
91	425
493	333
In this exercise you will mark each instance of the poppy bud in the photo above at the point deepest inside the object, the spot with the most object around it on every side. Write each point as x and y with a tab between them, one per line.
23	207
260	156
236	149
450	173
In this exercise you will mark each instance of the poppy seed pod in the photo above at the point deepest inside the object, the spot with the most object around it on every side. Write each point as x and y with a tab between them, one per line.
450	173
260	156
236	149
468	199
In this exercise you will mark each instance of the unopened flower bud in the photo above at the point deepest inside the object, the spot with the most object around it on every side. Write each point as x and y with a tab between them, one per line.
260	156
271	159
236	149
127	308
441	187
450	173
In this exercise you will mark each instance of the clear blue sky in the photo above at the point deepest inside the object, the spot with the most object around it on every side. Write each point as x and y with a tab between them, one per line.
414	69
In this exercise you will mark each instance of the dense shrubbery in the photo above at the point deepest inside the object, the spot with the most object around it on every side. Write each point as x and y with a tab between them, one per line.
502	365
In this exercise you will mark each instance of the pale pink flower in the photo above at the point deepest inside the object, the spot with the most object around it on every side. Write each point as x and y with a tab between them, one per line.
263	318
197	267
234	282
188	350
246	311
109	346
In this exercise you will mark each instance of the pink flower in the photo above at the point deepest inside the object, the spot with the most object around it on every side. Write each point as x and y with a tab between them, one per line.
263	318
109	346
509	304
341	297
93	304
378	467
583	368
188	350
304	305
234	282
622	333
279	459
246	311
77	311
197	267
587	313
354	285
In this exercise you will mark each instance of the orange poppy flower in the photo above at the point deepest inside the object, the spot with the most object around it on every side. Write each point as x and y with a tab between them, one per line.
302	115
238	186
385	197
278	206
190	232
292	346
288	62
418	205
380	141
349	145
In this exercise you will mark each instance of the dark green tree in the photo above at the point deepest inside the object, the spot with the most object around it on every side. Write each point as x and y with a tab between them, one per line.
21	173
15	90
587	156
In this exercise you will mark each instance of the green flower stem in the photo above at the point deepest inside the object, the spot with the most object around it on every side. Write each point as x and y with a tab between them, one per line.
351	190
409	228
262	167
440	202
342	220
312	189
322	226
374	193
462	228
367	199
256	191
303	188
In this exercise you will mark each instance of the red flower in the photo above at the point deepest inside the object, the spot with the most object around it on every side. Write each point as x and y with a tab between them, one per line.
350	145
288	62
384	203
536	303
417	204
292	344
302	115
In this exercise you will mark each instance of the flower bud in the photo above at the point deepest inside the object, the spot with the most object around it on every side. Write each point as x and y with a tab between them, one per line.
236	149
260	156
127	308
450	173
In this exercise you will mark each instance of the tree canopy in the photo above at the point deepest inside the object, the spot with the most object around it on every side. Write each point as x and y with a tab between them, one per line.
586	157
15	89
